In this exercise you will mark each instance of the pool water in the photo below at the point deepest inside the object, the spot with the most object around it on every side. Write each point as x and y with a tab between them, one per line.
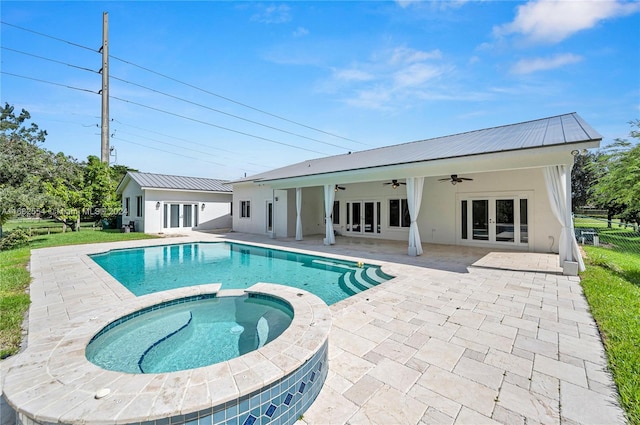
236	266
189	334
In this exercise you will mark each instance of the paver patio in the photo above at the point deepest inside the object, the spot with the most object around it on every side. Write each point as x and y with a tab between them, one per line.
461	335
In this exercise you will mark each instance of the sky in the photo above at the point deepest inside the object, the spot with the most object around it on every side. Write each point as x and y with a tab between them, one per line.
227	89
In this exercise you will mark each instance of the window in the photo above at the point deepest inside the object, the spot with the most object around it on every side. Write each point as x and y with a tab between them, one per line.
465	225
127	206
336	212
165	218
186	215
399	213
139	206
245	209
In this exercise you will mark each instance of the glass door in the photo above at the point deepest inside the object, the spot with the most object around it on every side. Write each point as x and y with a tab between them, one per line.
496	220
363	217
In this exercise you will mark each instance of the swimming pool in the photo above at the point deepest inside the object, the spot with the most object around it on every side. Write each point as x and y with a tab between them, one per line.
237	266
188	333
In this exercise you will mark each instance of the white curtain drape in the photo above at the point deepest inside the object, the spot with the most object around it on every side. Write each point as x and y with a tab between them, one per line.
558	181
414	199
298	211
329	196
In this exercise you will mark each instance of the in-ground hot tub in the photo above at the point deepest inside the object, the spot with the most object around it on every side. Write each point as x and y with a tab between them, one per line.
275	383
188	333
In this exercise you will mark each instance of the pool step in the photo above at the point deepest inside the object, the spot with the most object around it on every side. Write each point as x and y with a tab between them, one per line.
355	281
330	265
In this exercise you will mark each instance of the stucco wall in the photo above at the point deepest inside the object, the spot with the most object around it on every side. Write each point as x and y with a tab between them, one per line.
216	213
132	191
439	219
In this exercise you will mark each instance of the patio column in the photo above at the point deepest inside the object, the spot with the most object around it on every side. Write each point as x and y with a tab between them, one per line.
558	181
414	199
298	210
329	196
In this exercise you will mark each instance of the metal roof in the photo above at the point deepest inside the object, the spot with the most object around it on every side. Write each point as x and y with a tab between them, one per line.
557	130
164	181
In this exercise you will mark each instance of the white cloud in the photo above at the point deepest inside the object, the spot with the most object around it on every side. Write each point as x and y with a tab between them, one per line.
551	21
300	32
440	4
406	55
272	14
527	66
352	75
393	77
416	75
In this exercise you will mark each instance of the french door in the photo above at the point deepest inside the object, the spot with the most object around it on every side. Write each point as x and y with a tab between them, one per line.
497	220
363	217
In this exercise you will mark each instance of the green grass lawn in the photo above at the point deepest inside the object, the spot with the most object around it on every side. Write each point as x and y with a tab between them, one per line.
15	279
612	286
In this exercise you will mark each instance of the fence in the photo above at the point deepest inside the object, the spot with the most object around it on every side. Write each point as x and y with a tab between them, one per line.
46	227
612	234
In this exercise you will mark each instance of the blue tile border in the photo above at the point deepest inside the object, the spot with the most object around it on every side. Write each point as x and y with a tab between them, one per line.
280	403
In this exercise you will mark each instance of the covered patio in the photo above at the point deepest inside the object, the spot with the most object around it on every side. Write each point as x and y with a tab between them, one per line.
505	187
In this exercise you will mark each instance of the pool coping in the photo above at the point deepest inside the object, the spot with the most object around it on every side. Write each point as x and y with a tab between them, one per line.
52	381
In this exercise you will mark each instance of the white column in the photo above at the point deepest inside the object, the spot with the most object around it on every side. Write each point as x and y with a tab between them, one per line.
298	211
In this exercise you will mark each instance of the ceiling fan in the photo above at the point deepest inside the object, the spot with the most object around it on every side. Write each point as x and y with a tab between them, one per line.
335	189
394	183
454	179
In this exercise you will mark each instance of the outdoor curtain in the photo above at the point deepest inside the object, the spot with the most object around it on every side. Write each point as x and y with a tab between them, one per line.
558	181
298	210
329	196
414	199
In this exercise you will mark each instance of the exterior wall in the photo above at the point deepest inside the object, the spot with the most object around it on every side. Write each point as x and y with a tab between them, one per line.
439	218
440	214
284	210
132	191
215	215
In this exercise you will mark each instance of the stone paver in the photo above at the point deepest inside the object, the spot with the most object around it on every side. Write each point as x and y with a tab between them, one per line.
460	336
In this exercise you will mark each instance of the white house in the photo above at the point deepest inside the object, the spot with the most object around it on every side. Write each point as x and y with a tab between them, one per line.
160	203
506	187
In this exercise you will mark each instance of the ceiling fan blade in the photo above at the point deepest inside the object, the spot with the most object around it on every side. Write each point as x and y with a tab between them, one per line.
465	178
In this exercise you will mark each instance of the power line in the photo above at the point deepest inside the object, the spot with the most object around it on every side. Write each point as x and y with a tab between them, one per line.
184	140
216	126
236	102
48	82
49	36
228	114
172	153
197	88
49	59
169	113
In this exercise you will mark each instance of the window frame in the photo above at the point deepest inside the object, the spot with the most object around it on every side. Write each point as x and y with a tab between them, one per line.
403	220
245	209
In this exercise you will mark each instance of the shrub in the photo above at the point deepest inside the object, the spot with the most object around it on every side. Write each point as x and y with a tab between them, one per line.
17	238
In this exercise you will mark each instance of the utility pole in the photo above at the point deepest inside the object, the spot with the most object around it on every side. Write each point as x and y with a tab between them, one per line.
104	134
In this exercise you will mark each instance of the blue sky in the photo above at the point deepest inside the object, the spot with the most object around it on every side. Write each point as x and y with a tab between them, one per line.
373	73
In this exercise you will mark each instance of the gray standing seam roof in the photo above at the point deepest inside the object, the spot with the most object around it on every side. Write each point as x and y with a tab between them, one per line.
557	130
164	181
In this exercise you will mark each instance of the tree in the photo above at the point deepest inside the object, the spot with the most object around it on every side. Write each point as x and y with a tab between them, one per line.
67	194
23	164
618	178
583	177
101	187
